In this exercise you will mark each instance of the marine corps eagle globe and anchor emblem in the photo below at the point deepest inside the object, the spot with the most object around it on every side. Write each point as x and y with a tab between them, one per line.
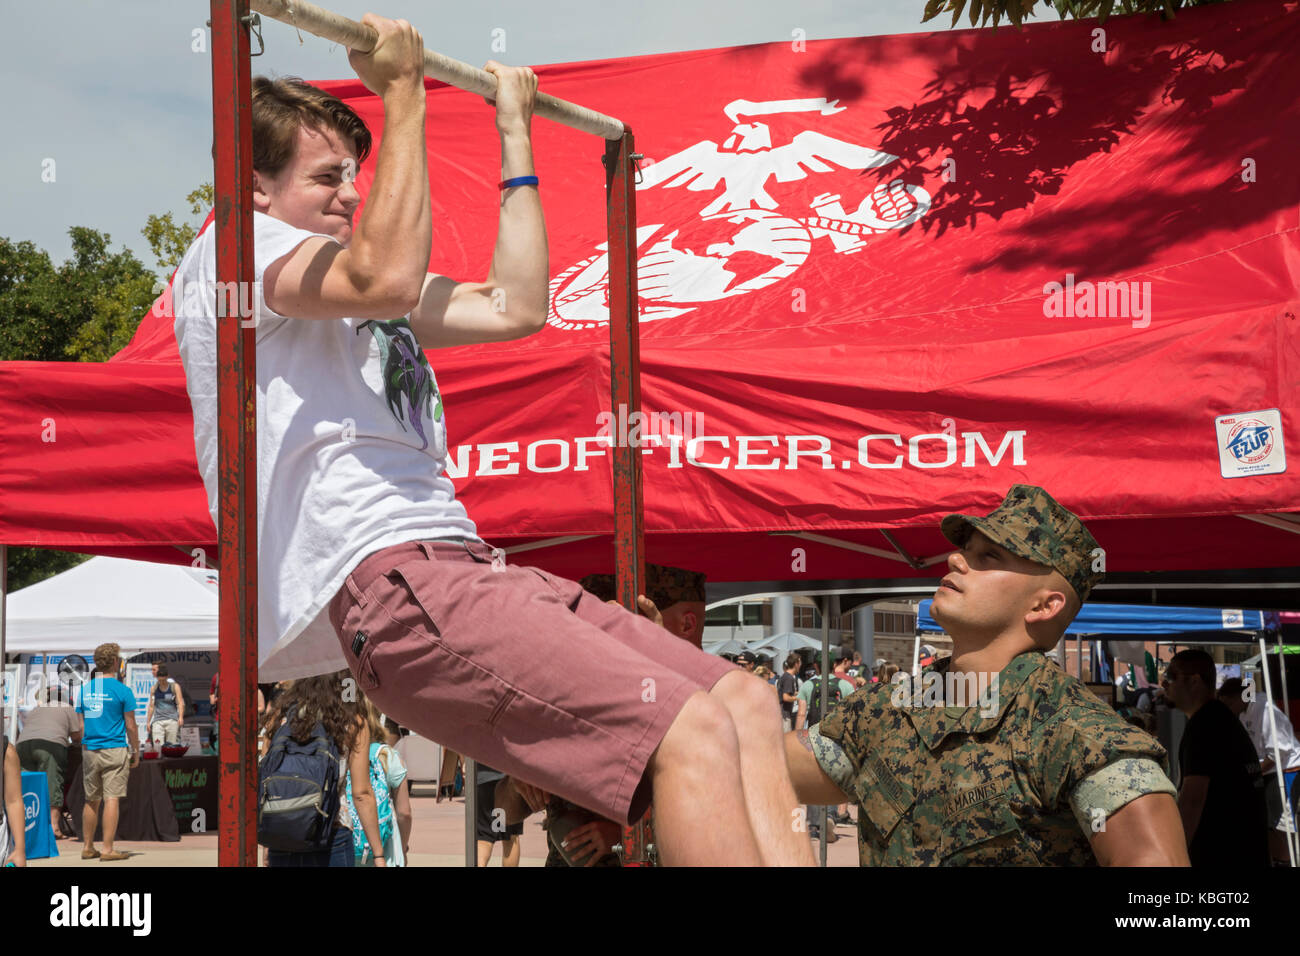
757	243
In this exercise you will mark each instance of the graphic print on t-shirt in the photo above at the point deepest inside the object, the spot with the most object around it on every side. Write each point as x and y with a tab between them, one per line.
407	373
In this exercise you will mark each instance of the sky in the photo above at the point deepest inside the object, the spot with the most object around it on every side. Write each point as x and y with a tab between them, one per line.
110	115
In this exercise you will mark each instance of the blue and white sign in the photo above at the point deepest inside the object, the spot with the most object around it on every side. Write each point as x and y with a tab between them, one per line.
1250	443
140	679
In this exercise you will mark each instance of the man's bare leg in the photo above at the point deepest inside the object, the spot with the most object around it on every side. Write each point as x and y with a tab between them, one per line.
769	794
510	851
110	822
699	800
89	823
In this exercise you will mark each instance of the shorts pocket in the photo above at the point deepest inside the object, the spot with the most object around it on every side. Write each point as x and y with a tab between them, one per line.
407	579
364	670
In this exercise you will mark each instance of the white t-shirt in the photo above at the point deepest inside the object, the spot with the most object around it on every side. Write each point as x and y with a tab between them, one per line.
1255	719
345	466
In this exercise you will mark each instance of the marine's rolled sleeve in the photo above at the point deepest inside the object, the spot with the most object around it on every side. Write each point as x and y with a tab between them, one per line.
833	759
841	739
1095	762
1115	785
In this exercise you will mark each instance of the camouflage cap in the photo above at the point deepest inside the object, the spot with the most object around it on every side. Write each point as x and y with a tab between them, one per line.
1034	525
664	585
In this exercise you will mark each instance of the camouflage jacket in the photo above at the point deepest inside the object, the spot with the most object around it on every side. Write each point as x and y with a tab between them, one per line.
1022	777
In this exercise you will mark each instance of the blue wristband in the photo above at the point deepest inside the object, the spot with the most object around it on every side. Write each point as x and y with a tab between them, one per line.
517	181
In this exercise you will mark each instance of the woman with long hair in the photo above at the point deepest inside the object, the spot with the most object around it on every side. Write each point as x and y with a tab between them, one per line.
328	700
387	774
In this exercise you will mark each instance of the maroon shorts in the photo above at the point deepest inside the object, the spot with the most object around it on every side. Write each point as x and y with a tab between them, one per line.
519	669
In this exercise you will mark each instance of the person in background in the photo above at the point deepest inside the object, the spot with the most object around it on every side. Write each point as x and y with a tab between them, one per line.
214	702
165	715
321	699
111	750
1254	716
857	669
13	830
747	660
387	776
214	705
490	825
43	744
1221	795
763	672
393	733
787	686
842	665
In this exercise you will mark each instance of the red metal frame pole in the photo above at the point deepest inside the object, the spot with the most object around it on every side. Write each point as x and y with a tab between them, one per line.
624	368
236	433
625	398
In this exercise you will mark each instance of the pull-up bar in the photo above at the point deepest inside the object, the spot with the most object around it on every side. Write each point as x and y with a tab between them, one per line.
237	376
359	37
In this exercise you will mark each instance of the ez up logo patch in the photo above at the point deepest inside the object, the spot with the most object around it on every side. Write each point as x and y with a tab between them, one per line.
1251	444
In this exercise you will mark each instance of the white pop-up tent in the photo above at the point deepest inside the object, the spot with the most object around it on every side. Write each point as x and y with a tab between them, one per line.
138	604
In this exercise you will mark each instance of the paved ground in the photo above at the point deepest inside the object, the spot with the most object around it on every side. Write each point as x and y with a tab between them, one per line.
438	839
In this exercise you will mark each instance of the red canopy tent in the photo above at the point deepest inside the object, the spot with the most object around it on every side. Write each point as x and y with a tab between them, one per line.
849	323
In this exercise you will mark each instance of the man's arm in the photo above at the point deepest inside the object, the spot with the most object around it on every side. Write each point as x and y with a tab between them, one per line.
132	737
364	800
1144	832
789	698
512	302
811	783
381	273
801	718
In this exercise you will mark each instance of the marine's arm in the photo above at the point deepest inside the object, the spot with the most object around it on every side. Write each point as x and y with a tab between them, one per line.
1144	832
812	785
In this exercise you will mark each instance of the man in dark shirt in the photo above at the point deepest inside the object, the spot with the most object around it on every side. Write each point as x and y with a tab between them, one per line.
787	686
1221	796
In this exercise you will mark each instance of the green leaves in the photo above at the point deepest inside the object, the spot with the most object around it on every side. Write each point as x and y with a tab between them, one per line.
88	308
168	240
983	12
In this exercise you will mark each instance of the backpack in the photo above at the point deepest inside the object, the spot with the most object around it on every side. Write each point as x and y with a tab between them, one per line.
833	698
379	785
298	791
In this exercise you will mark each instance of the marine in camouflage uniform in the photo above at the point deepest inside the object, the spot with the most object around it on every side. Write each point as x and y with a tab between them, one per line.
665	586
1023	775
